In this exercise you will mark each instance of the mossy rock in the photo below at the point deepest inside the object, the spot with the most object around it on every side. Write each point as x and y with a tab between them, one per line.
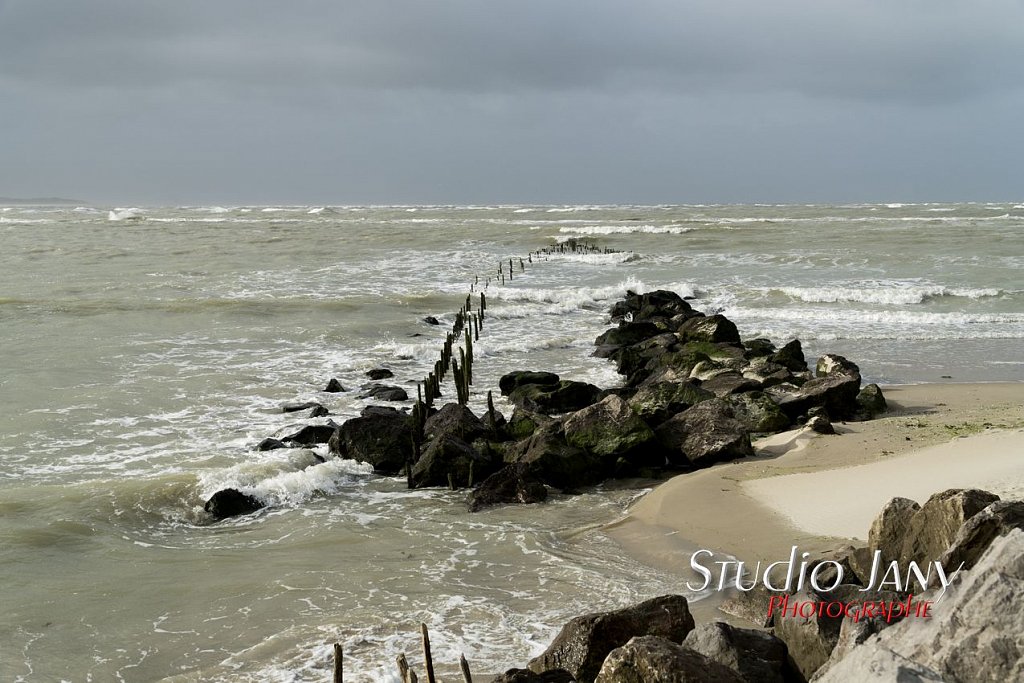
655	403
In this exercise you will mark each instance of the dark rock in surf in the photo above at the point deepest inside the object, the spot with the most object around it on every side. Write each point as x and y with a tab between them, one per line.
231	503
454	420
431	320
319	411
379	373
511	484
381	437
296	407
513	380
334	386
547	456
382	392
270	444
658	401
449	460
310	435
660	303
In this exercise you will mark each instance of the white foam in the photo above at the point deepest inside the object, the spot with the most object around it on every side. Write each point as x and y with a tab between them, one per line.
626	229
892	294
285	477
125	214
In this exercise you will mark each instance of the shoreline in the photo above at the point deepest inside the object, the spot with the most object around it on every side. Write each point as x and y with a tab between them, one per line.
804	489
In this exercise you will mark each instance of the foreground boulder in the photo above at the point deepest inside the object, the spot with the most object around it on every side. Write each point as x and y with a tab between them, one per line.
511	484
933	527
650	659
584	642
976	633
755	655
705	434
231	503
810	640
978	532
889	528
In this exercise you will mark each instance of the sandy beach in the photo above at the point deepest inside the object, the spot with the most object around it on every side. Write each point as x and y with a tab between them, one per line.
817	491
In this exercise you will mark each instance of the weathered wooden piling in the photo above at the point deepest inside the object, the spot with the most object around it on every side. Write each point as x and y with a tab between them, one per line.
338	664
467	677
427	659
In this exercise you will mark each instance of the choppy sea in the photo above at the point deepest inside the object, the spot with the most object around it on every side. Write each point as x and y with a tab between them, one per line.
144	351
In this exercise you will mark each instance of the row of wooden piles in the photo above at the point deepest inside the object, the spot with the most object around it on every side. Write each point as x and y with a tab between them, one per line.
456	356
405	671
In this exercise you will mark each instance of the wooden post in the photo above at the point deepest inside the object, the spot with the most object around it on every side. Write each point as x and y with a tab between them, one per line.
467	677
491	421
338	664
427	661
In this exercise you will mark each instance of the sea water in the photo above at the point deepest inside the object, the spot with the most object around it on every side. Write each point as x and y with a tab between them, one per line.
145	351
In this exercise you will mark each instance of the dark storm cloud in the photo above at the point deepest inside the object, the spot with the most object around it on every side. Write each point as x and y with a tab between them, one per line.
880	48
371	100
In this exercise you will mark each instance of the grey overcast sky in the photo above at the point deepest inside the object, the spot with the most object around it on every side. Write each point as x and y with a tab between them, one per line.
534	101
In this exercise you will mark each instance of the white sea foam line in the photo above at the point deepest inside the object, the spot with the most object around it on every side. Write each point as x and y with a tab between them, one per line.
881	293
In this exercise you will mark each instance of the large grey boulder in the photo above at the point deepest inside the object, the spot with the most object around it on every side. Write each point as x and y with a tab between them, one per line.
975	633
810	640
756	655
978	532
583	643
933	527
650	659
889	529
